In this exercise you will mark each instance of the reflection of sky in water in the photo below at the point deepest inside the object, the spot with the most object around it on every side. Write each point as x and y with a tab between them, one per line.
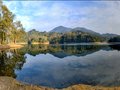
101	68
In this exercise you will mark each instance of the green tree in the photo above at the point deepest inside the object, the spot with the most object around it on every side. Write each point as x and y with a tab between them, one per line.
6	21
17	31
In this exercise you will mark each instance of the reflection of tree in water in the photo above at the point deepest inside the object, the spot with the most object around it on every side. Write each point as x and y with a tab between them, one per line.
36	49
14	58
73	50
115	47
9	61
59	50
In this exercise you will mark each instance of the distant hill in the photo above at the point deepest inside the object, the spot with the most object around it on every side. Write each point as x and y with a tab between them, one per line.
109	35
36	32
85	30
33	31
61	29
78	35
36	36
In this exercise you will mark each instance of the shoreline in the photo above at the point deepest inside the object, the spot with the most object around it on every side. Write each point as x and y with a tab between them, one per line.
8	46
8	83
20	45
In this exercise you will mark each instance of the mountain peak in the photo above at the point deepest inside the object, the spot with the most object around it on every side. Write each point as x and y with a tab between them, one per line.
61	29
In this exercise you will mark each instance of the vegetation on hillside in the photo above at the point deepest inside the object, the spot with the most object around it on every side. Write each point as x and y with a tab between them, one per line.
75	37
36	36
115	39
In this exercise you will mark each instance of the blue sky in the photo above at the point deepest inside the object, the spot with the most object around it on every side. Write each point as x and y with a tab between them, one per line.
99	16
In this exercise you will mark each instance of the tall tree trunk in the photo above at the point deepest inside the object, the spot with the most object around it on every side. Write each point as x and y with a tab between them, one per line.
14	41
2	39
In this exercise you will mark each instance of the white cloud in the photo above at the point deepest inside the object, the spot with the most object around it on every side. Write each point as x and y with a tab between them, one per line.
45	15
105	19
25	20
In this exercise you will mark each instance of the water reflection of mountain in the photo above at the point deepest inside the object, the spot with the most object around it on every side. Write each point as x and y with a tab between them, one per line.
100	68
65	50
14	58
115	47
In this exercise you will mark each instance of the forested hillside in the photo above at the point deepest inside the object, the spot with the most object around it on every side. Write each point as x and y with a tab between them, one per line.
36	36
115	39
76	37
62	35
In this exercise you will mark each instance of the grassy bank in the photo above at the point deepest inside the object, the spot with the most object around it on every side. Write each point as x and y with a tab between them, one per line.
7	46
18	45
8	83
4	46
41	43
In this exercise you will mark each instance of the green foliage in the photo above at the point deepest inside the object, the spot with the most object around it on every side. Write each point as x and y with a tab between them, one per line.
9	61
36	36
10	31
62	38
75	37
114	39
18	33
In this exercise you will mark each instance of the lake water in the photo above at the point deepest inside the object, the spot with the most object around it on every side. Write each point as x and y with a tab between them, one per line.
60	66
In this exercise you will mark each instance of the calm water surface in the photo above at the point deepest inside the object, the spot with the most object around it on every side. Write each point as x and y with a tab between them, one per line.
63	66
